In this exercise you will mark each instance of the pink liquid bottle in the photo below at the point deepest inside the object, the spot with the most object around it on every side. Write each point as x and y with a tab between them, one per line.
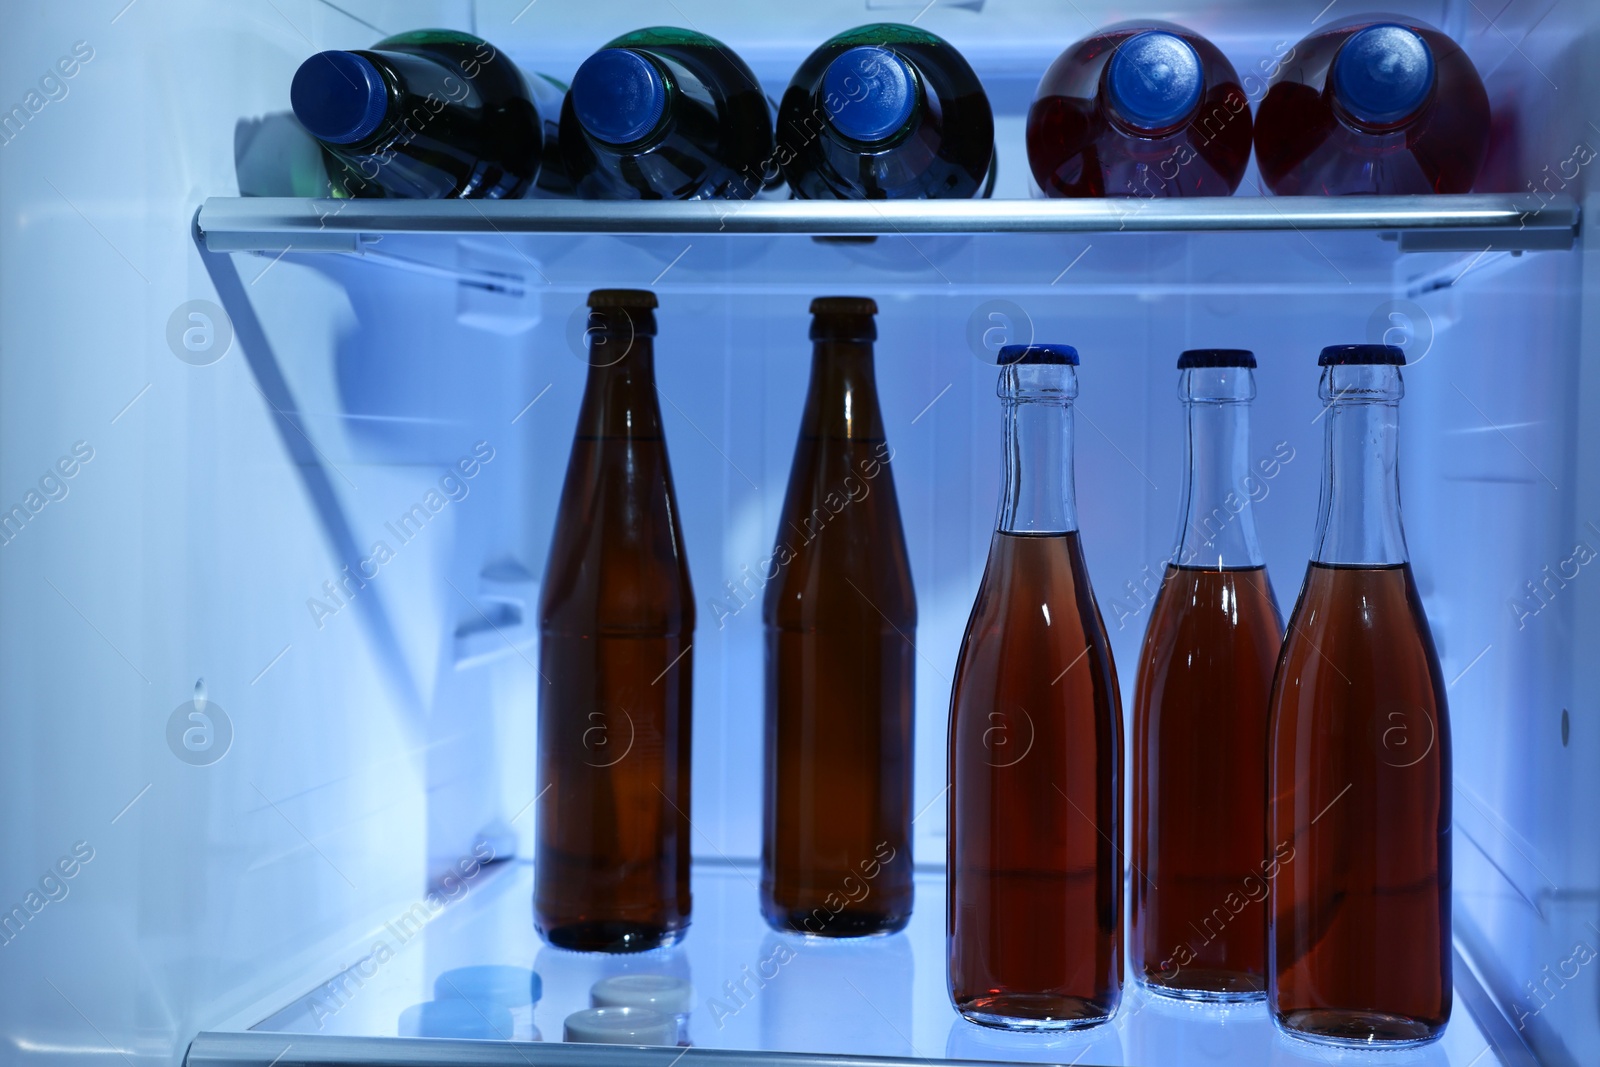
1378	106
1145	109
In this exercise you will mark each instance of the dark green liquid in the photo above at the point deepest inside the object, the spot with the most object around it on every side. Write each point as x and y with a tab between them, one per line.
462	122
946	148
714	140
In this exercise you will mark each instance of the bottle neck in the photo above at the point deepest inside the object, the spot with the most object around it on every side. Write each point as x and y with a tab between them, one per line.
1217	524
619	397
1358	517
1038	495
842	401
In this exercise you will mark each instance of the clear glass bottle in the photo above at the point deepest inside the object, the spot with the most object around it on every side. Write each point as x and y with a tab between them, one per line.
616	626
1358	819
1200	713
841	667
1035	896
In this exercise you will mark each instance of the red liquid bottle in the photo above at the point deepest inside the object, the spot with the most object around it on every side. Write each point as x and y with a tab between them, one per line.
1145	109
1358	815
1035	921
616	619
1373	106
1200	714
840	621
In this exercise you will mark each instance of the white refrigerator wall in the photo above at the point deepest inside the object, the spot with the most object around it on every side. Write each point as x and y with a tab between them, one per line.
357	737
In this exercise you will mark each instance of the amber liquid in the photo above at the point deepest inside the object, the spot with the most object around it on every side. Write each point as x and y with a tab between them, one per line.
616	619
1200	781
1036	796
1359	932
840	621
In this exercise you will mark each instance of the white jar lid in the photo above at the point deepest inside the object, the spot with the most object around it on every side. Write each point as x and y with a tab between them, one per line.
663	992
621	1026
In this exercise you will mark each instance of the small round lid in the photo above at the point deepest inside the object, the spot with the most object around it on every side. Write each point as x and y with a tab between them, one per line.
1216	357
619	95
621	1026
1383	74
489	984
457	1018
1362	355
844	305
1020	355
663	992
339	97
1154	80
878	89
632	299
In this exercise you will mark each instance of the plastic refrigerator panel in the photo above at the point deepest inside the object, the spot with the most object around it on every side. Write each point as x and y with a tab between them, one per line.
206	780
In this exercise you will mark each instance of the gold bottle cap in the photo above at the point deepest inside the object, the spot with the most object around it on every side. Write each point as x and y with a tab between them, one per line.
629	299
844	305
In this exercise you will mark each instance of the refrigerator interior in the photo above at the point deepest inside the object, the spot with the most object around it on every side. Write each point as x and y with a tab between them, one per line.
372	741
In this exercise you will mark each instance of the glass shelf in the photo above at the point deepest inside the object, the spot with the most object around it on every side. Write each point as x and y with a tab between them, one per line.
1500	222
759	997
512	252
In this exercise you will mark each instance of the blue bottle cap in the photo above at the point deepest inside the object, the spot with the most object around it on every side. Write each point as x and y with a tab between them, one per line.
339	97
878	91
1216	357
619	95
1018	355
1362	355
1154	80
1383	74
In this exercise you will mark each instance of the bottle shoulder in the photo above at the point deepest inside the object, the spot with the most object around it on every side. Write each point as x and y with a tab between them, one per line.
1365	628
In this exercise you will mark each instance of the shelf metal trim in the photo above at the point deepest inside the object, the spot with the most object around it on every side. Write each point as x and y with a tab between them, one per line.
220	1049
1514	222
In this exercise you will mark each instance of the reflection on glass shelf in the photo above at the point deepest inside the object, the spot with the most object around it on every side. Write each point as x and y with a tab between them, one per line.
760	991
1138	267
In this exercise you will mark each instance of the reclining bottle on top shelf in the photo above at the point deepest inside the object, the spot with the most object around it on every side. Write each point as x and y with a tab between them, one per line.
616	626
1200	713
1358	779
840	621
886	112
429	114
1035	896
1145	109
1373	106
667	114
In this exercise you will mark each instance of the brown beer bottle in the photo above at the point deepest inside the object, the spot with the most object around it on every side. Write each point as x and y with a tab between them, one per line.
1358	784
1035	920
840	618
616	621
1199	923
